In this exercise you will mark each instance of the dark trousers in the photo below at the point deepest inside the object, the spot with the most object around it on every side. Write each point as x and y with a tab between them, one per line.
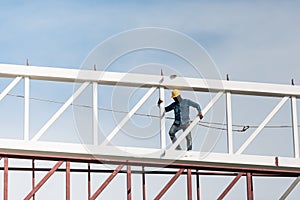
174	129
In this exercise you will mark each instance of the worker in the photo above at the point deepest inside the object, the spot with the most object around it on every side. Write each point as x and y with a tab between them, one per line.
182	119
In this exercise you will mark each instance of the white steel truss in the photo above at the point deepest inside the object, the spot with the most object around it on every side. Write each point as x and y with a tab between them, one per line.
128	116
290	189
262	125
110	78
95	113
10	87
153	82
60	111
295	127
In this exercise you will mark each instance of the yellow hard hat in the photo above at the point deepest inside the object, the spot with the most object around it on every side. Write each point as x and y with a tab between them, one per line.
175	93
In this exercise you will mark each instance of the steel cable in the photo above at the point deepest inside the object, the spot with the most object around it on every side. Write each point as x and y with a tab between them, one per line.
214	125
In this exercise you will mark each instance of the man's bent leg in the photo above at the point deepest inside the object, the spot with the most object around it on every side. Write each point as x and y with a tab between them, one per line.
172	133
189	144
188	138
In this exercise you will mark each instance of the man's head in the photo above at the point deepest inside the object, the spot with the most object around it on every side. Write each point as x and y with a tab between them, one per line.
176	95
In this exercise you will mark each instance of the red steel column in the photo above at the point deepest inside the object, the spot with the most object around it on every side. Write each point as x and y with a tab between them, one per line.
189	184
198	185
128	182
5	178
144	183
89	180
230	186
40	184
106	182
249	187
169	184
68	177
33	177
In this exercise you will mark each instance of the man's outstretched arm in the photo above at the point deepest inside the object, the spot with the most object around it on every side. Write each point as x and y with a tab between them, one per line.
197	106
168	108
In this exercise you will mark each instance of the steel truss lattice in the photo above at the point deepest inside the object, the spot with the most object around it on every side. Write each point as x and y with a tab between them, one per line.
189	164
174	170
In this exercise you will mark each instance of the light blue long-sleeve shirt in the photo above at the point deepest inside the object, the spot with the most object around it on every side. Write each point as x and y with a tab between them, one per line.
182	110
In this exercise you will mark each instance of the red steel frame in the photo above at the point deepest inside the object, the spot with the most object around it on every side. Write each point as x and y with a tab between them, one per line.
105	184
144	183
5	178
89	180
33	177
128	182
169	184
41	183
189	171
249	186
189	184
230	186
198	185
68	177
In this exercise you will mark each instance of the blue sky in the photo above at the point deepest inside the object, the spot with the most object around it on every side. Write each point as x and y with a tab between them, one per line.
249	40
61	33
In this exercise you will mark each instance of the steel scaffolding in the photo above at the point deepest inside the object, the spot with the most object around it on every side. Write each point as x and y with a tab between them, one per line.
175	170
177	163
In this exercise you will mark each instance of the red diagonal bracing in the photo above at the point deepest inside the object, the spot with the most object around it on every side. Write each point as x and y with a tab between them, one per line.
106	182
230	186
40	184
169	184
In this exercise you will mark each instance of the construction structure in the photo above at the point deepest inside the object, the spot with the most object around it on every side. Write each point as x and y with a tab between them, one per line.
181	163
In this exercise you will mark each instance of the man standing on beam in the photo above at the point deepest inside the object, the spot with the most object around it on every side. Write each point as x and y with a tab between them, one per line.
181	109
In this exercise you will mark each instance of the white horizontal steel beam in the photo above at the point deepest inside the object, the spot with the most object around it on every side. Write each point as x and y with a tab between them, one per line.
143	80
148	154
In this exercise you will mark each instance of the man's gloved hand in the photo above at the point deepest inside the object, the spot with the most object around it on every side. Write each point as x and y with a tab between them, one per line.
200	115
159	102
